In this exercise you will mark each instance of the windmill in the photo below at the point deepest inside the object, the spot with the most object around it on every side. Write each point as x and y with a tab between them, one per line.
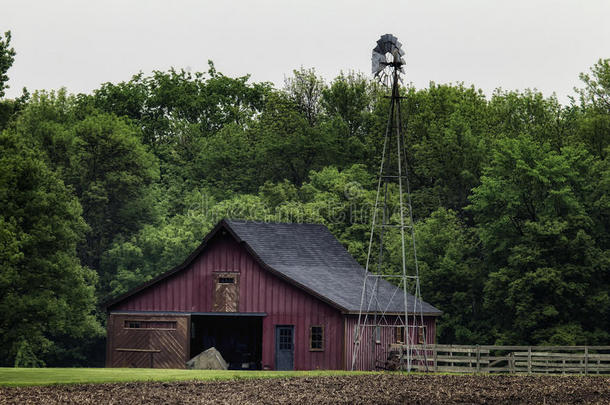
393	179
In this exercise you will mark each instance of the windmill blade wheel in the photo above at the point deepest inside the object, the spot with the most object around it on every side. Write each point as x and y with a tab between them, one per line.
387	57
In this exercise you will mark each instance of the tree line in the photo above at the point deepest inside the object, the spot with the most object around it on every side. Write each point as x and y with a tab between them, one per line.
102	191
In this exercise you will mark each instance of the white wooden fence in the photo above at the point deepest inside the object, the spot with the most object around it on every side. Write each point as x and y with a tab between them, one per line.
506	359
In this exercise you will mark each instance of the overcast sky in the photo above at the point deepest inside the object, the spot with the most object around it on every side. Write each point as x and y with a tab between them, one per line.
514	44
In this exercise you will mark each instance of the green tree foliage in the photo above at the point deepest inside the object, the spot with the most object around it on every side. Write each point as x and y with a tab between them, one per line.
547	270
305	89
46	295
110	171
288	147
447	144
177	110
8	108
103	160
594	117
452	275
7	57
597	86
348	104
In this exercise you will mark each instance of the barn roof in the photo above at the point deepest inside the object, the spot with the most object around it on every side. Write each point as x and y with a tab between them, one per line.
310	257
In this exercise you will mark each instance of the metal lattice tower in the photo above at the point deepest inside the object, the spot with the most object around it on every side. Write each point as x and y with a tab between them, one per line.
393	179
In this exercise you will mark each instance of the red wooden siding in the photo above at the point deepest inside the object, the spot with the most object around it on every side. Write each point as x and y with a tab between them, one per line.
371	353
192	290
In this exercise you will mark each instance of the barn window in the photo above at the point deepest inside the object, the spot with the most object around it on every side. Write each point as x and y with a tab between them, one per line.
399	334
150	325
421	336
226	280
316	338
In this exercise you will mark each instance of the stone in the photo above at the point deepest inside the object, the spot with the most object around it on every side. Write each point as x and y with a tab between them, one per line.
210	359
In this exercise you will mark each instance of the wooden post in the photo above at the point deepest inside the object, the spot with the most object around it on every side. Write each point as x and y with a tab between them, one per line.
478	359
511	362
451	354
529	359
586	360
435	358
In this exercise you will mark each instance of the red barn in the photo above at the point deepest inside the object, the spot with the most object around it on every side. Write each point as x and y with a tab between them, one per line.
266	295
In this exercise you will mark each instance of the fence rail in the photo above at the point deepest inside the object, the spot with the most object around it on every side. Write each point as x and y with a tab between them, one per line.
505	359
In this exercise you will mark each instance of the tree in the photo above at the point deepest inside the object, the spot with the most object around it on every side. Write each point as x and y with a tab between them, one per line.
452	277
447	142
46	296
597	86
177	111
286	145
305	90
102	158
225	161
347	115
8	108
594	110
7	57
534	220
111	172
349	97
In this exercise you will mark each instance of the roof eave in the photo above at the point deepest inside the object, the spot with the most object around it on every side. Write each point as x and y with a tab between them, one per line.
395	313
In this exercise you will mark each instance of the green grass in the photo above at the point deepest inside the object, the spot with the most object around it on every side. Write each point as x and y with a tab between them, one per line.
50	376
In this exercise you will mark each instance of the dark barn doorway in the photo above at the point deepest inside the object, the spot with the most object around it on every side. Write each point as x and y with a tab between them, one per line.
238	338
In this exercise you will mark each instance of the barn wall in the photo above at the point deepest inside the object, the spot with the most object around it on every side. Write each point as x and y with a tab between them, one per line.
192	290
156	346
371	353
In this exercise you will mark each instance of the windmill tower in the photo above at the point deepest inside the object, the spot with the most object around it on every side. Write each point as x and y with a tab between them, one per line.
388	223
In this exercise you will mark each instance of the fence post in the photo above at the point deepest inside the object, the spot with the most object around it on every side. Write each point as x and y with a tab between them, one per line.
529	359
586	360
478	359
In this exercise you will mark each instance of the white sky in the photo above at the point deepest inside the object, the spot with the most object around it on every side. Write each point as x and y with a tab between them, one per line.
514	44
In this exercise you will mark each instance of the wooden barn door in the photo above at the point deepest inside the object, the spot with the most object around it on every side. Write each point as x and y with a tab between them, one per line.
226	292
148	341
284	347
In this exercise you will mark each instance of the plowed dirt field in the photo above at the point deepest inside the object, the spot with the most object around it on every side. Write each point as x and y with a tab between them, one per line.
360	389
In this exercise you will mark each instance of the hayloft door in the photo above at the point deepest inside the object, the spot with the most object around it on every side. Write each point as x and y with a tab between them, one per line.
226	292
284	347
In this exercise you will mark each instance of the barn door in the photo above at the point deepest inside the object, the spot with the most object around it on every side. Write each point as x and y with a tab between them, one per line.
226	292
284	347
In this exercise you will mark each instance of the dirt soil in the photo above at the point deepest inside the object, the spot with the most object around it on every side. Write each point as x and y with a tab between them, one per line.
363	389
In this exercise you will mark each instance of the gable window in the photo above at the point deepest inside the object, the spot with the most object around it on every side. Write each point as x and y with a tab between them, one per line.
226	280
316	338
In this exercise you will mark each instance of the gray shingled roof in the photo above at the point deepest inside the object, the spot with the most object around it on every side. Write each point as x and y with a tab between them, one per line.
312	257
